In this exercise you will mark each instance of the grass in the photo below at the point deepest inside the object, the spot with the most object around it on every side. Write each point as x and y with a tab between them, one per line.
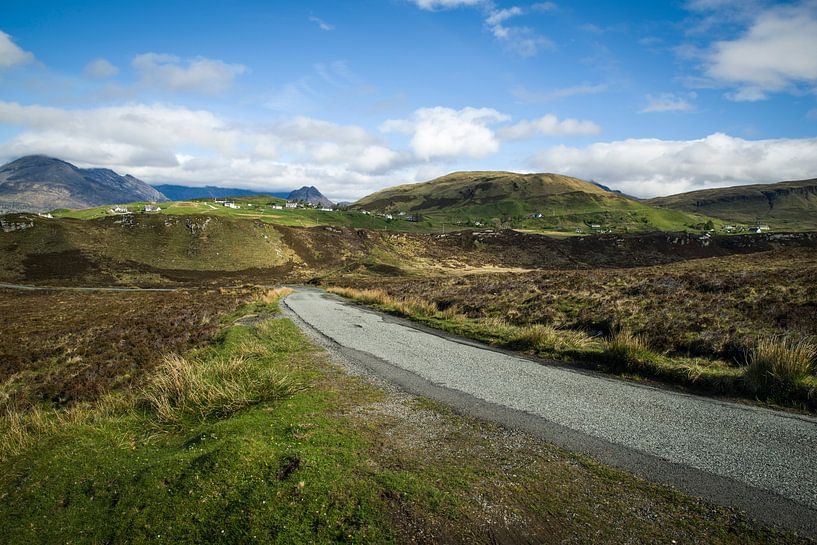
256	438
227	443
218	387
627	351
785	369
780	363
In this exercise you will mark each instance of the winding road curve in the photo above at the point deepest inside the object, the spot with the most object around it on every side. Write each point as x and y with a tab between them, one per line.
761	461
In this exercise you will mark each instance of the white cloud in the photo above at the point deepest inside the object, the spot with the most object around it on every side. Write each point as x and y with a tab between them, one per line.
447	133
527	96
498	16
199	75
650	167
747	94
548	125
520	40
101	68
162	143
668	102
323	25
433	5
544	6
11	54
774	54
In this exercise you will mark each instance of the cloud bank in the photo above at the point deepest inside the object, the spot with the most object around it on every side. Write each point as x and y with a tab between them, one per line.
651	167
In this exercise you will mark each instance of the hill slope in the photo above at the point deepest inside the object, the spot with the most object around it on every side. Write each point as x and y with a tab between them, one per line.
38	183
785	205
563	202
184	193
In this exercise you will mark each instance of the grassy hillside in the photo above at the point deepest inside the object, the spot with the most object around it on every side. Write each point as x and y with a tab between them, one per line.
156	249
260	208
788	206
517	200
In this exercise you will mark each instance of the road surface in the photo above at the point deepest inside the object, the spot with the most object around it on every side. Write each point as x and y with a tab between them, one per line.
761	461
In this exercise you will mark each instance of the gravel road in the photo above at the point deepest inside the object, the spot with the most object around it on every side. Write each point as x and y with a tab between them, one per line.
761	461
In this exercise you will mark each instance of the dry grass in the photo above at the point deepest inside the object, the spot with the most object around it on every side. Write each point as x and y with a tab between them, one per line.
272	296
21	427
543	338
536	337
215	387
780	361
407	306
624	349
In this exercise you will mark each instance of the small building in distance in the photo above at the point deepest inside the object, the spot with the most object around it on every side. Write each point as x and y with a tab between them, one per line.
151	208
277	207
232	205
119	210
291	205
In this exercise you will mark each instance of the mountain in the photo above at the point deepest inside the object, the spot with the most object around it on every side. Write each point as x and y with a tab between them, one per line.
37	183
184	193
310	195
562	201
784	205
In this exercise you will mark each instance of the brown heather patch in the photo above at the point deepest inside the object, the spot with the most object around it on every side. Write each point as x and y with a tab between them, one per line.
716	307
64	347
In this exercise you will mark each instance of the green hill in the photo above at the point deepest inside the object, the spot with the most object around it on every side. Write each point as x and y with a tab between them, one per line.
790	206
537	201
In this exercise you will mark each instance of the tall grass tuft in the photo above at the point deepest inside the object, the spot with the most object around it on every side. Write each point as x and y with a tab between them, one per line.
546	338
272	296
624	349
780	362
217	387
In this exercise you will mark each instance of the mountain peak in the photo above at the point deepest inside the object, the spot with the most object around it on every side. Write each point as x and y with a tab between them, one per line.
38	183
311	195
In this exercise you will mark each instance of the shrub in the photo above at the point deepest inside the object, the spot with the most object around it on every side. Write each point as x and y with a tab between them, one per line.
780	362
213	388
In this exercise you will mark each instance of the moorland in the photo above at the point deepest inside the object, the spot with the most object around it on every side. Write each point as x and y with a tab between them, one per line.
200	414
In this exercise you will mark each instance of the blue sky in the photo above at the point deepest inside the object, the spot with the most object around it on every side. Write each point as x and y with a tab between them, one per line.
649	97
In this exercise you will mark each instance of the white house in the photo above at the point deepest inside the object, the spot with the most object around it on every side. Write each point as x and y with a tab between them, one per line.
326	209
119	210
152	208
232	205
388	217
292	205
277	207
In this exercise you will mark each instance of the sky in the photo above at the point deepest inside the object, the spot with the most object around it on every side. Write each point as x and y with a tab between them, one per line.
652	98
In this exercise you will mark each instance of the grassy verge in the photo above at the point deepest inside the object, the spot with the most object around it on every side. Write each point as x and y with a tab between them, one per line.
777	371
257	438
231	443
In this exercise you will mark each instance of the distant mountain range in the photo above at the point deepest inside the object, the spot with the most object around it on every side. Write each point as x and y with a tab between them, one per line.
37	183
310	195
184	193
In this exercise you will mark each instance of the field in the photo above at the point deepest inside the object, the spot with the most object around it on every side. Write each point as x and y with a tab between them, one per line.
694	322
564	215
247	433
